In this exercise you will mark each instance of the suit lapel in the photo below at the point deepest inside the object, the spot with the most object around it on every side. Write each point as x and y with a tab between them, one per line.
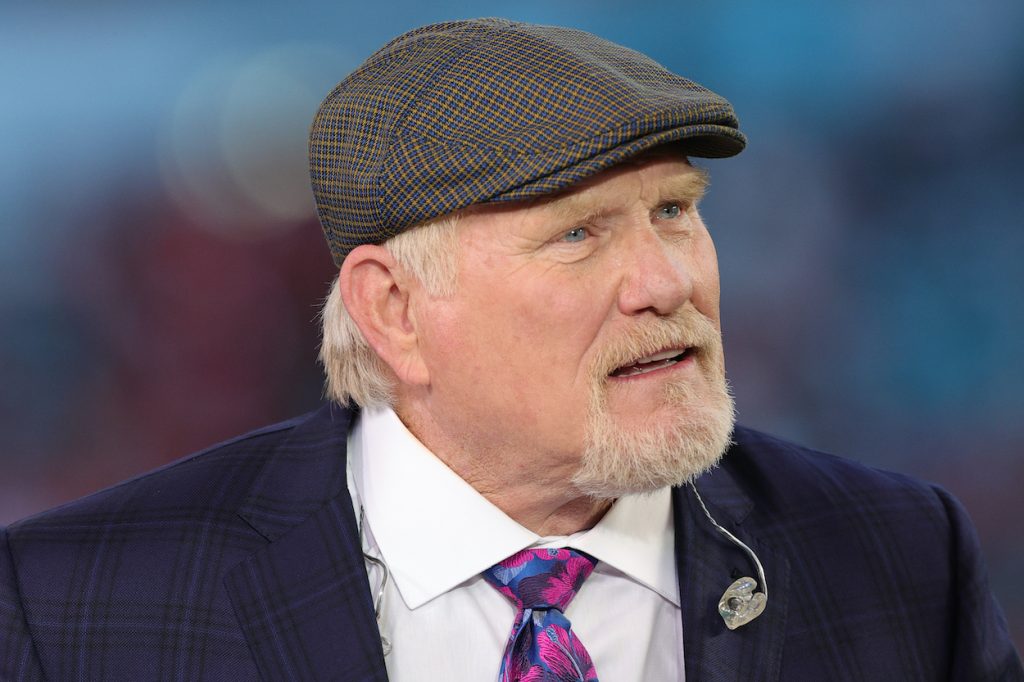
303	600
708	563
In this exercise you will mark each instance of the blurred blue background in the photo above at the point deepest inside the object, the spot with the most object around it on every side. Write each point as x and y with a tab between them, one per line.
161	266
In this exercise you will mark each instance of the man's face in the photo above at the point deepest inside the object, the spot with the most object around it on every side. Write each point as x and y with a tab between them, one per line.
583	339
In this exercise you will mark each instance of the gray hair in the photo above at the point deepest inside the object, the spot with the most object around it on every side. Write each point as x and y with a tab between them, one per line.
354	373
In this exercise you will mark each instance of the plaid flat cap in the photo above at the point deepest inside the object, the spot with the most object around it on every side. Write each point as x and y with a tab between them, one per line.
490	110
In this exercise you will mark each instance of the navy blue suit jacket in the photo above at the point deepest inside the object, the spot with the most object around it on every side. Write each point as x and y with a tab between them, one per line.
243	563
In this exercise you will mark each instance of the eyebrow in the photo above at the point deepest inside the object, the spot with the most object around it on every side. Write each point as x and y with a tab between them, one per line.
687	188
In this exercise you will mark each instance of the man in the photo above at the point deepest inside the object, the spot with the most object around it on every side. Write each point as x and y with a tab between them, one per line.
517	476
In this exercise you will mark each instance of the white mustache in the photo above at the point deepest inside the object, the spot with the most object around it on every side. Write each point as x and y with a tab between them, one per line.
684	329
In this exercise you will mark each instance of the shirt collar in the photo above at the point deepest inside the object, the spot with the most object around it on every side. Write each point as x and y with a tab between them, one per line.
637	537
435	531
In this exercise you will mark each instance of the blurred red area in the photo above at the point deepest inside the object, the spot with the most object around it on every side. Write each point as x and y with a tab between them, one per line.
188	337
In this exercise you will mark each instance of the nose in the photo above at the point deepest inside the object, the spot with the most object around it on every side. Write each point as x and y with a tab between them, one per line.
656	278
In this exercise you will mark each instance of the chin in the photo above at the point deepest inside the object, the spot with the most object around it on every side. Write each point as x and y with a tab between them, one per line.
677	448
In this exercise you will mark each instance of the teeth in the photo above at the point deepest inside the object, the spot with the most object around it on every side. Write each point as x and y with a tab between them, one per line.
634	370
650	363
664	355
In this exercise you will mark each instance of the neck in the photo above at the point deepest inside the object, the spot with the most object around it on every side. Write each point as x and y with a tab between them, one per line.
539	498
543	514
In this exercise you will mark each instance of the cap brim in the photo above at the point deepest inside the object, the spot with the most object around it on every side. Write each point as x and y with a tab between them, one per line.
703	140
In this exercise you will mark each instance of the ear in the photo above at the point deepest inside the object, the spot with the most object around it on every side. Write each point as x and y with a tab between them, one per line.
376	293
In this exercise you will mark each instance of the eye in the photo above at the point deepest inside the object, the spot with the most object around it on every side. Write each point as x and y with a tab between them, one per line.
670	211
576	234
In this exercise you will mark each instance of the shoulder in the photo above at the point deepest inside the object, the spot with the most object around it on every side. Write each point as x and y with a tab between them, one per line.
291	466
836	517
870	551
789	478
214	478
151	555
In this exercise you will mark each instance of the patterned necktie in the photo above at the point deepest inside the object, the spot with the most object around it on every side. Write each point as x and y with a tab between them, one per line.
542	646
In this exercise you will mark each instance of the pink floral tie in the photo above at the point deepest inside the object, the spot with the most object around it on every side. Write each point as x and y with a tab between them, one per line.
542	646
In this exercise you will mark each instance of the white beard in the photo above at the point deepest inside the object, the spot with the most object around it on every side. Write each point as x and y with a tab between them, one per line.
617	461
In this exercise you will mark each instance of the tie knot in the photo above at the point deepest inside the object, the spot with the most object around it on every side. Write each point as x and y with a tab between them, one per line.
541	578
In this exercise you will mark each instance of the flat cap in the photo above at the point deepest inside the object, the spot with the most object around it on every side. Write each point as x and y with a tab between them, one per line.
491	110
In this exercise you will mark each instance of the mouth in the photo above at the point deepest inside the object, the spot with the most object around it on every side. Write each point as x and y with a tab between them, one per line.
653	363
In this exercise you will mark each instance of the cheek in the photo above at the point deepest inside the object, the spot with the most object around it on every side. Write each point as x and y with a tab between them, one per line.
539	332
559	318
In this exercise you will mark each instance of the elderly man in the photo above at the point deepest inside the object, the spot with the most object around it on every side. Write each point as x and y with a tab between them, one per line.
529	470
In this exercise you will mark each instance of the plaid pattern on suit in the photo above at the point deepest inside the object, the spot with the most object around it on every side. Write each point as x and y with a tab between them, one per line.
243	563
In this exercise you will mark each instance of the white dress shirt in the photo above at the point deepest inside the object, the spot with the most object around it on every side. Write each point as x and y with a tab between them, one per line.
436	534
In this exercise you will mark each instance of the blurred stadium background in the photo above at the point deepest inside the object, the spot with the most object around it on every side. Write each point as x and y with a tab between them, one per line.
161	266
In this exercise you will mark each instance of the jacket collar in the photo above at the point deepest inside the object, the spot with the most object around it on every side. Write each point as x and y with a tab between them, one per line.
306	469
303	600
709	562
